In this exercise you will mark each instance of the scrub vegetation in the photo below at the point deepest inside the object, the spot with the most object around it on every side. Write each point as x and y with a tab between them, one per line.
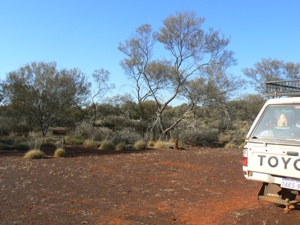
185	95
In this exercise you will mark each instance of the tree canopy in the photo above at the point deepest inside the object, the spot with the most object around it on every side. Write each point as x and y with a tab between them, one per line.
42	96
271	70
195	58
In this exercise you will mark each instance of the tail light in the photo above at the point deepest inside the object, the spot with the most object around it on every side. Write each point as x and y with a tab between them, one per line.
245	157
245	160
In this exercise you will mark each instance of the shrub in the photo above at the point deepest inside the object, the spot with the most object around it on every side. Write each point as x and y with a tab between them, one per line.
107	145
163	145
121	147
5	147
202	137
151	143
74	140
140	144
127	136
34	154
101	133
21	147
230	145
60	152
35	143
224	138
89	143
85	129
130	147
48	145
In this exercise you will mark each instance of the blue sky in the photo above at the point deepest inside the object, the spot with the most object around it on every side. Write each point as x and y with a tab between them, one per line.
85	34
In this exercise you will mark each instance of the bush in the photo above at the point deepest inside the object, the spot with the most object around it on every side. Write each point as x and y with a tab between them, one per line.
202	137
224	138
121	147
85	129
140	144
151	143
21	147
89	143
74	140
107	145
34	154
35	143
127	136
60	152
5	147
163	145
48	145
101	133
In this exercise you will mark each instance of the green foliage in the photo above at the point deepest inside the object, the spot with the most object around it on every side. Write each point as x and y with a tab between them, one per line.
34	154
60	152
120	122
270	70
101	133
88	143
200	137
140	145
236	136
106	110
200	81
127	136
246	107
107	145
47	145
74	139
5	147
21	147
86	130
58	93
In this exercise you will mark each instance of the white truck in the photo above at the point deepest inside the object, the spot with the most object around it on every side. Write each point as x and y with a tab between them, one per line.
272	151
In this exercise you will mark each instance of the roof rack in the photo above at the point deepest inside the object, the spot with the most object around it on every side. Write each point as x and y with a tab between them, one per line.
283	88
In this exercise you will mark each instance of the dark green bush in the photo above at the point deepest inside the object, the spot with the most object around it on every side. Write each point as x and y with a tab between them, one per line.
207	137
127	136
5	147
21	147
48	145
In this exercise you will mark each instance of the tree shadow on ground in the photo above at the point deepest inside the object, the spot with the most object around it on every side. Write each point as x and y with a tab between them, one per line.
72	152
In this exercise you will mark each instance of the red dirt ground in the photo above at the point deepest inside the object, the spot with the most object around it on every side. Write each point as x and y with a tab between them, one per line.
161	187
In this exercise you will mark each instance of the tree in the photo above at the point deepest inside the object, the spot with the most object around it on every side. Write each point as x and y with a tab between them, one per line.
191	53
42	96
101	78
271	70
246	107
